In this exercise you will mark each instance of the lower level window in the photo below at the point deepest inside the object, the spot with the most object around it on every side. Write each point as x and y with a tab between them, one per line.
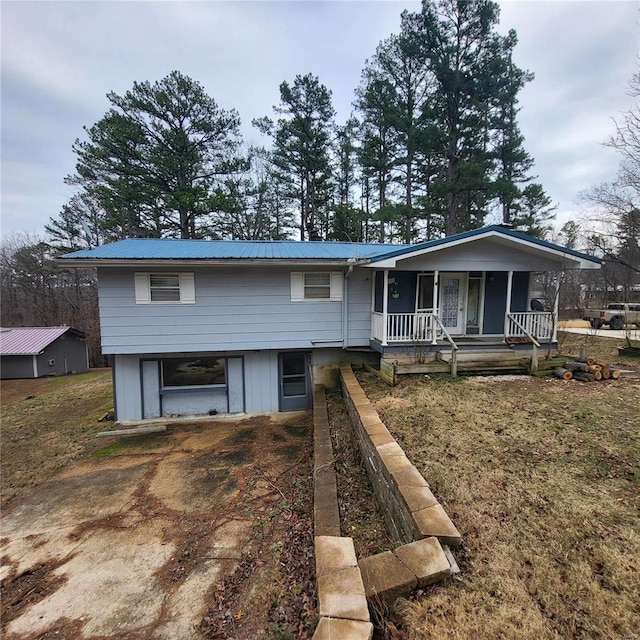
196	372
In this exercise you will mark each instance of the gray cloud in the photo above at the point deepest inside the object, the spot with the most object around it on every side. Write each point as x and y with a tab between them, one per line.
59	59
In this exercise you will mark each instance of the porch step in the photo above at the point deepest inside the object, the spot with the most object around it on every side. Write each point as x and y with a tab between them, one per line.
490	362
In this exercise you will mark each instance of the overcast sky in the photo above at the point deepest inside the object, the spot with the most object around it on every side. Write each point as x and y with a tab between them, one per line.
59	59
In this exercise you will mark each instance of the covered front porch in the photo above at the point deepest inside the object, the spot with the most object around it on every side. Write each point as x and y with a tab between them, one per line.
420	308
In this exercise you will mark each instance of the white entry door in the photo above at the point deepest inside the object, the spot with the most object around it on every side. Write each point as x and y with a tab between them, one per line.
452	299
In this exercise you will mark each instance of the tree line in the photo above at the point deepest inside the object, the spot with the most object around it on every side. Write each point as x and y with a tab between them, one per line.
432	148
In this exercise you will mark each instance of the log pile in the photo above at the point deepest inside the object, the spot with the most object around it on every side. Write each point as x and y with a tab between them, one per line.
586	370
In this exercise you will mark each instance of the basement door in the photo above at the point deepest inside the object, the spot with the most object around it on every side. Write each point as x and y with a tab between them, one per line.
295	380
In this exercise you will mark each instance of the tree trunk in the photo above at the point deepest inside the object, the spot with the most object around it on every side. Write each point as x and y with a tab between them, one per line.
576	366
584	377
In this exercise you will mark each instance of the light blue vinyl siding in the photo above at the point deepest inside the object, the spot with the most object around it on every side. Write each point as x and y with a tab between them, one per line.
127	388
195	403
235	385
261	381
359	307
150	388
235	309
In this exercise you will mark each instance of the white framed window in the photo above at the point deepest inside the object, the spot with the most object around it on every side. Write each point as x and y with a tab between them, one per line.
165	288
316	285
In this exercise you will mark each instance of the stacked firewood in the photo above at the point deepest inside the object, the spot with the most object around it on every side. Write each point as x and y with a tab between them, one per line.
586	370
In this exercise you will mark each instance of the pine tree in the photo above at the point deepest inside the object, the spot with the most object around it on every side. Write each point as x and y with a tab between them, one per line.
154	160
301	151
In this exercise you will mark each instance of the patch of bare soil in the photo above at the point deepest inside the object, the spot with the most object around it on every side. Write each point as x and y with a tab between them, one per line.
542	480
360	516
272	591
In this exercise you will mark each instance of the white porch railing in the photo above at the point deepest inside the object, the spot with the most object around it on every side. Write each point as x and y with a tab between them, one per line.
420	327
538	324
403	327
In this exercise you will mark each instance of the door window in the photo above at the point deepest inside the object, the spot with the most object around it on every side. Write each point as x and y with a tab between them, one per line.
473	303
450	298
294	377
425	292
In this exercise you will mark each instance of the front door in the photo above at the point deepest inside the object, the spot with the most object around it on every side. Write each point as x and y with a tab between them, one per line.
452	297
295	382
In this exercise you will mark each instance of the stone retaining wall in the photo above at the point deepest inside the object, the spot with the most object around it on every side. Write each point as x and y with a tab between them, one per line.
413	515
342	602
410	509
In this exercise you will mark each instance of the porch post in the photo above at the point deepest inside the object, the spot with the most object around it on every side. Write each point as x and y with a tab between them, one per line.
508	309
436	278
373	299
385	304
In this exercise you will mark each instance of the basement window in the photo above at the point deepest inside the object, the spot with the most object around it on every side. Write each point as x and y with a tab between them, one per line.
196	372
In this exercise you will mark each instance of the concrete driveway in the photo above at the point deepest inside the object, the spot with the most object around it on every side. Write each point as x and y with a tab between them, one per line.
131	545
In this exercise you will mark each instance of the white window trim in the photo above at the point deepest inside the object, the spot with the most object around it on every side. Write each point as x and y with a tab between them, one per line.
142	285
297	287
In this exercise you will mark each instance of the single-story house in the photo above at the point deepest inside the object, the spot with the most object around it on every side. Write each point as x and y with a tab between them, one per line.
34	352
197	327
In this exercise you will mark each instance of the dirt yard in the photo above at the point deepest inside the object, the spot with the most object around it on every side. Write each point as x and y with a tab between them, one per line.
541	477
202	532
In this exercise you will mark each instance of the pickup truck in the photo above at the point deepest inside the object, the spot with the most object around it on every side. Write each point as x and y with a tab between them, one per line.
616	315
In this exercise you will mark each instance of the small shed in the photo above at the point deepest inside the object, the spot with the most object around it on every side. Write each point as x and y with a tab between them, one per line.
34	352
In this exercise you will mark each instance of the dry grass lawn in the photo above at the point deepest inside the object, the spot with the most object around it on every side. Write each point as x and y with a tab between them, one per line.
47	424
541	477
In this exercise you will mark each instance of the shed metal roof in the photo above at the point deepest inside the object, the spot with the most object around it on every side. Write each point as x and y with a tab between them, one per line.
28	341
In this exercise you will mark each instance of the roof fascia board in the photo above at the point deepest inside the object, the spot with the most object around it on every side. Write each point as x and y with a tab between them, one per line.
583	263
574	257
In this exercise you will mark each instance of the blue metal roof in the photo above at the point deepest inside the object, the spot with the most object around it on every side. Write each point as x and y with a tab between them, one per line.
481	231
285	250
156	248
